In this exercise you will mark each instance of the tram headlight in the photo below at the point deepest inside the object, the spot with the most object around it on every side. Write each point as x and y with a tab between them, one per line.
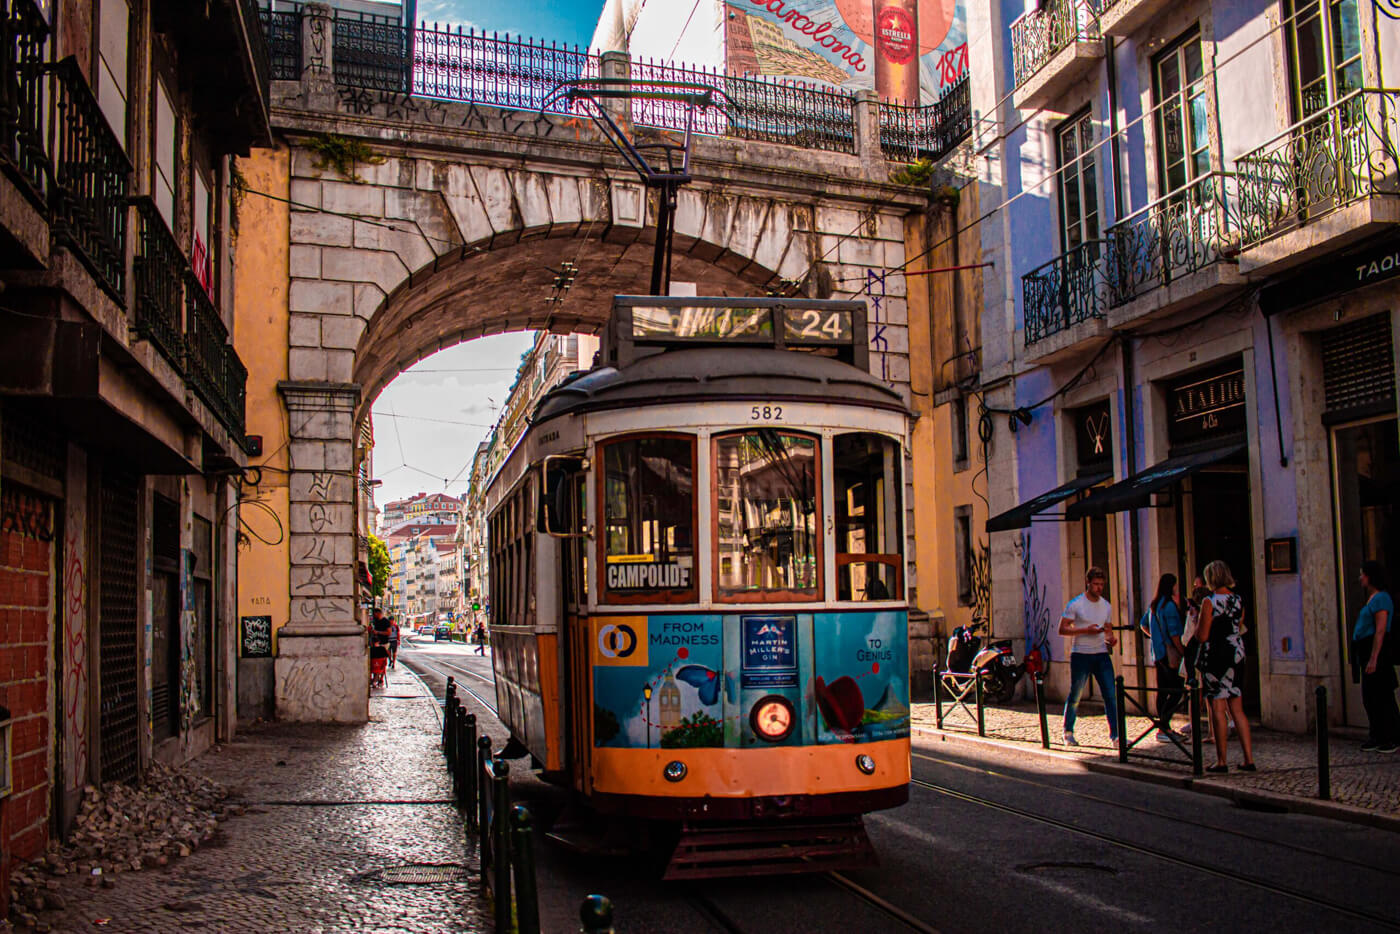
675	770
865	764
773	718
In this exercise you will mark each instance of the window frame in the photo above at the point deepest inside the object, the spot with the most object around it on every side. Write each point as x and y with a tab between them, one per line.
1322	10
604	596
897	490
819	536
1074	124
1183	97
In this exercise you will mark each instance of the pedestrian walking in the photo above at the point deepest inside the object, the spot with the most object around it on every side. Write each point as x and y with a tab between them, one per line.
1164	628
1088	620
393	641
1373	660
1220	630
479	637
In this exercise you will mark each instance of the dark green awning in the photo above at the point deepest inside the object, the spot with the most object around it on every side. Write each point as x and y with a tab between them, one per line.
1020	517
1136	491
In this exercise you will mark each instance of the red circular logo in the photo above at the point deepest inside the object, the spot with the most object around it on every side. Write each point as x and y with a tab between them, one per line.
895	34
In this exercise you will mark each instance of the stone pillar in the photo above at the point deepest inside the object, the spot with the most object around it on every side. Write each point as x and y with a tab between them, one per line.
872	159
321	672
617	66
318	56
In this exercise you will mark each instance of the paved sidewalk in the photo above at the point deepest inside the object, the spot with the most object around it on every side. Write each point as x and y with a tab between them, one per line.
328	808
1287	761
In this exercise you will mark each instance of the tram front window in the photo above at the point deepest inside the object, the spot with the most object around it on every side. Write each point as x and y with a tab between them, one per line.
869	560
648	520
766	521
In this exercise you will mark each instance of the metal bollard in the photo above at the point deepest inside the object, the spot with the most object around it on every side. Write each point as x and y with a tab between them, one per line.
1040	709
471	772
1122	726
1324	752
937	695
483	816
1194	702
522	858
500	843
596	913
463	765
981	718
448	740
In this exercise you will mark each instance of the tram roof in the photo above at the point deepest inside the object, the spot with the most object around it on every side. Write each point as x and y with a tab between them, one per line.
717	374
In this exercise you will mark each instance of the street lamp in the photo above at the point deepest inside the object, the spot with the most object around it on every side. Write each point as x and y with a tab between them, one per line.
646	711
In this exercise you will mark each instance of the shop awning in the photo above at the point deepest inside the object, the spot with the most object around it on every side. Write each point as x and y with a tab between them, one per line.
1136	491
1020	517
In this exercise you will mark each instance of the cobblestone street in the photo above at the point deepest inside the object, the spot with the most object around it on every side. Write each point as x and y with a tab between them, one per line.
328	810
1287	762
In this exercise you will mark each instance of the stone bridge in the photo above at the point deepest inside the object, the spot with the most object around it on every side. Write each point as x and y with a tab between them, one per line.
416	223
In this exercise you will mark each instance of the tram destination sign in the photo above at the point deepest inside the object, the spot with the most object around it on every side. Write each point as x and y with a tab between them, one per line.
741	323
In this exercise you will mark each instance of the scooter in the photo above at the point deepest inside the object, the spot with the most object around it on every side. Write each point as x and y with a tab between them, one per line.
996	663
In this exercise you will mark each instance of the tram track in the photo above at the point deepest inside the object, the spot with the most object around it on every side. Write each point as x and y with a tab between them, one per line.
707	907
438	666
1161	855
1149	812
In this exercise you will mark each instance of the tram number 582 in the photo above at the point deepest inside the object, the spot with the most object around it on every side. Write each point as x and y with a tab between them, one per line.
768	413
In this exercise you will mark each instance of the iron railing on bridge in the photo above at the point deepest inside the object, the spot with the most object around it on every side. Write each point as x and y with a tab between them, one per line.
908	134
497	70
91	172
1342	154
23	37
282	31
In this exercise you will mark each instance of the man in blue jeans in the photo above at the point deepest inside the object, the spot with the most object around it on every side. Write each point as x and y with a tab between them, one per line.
1088	620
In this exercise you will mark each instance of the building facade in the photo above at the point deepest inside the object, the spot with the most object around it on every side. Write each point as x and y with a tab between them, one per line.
121	394
1188	336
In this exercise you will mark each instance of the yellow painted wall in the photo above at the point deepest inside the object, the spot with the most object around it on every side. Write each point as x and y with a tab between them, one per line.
937	360
260	334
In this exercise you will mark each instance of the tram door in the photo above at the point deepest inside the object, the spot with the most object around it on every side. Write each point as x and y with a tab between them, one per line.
578	691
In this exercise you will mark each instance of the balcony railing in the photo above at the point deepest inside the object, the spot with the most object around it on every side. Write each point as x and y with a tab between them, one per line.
158	274
282	32
1176	235
908	134
371	51
1345	153
1039	34
212	366
1069	289
91	170
765	111
23	37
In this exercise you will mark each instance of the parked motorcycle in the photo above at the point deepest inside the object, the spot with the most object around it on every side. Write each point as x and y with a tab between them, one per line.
996	663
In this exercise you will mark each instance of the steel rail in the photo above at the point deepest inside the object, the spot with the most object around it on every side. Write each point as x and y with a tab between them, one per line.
1229	875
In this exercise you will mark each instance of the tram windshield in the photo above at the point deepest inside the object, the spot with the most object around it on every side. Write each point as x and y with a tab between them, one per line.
865	474
648	519
766	520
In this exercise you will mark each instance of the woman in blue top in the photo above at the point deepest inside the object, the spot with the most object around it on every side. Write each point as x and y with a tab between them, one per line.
1371	652
1165	627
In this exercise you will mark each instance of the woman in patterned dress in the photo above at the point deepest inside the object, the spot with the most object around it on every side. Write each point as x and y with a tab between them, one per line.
1220	629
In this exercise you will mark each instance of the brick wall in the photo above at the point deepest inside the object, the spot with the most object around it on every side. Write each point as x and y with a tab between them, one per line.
25	594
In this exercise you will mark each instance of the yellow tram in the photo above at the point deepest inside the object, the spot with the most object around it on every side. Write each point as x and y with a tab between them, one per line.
697	585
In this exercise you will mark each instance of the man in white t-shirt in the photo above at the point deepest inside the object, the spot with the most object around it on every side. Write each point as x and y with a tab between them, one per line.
1088	620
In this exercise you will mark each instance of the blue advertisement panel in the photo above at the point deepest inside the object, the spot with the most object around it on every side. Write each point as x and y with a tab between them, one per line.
861	676
770	651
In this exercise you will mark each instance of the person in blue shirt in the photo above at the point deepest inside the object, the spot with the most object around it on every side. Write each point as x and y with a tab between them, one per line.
1371	653
1165	627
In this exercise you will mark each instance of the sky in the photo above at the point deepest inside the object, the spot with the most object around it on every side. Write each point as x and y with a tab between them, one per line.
430	419
568	22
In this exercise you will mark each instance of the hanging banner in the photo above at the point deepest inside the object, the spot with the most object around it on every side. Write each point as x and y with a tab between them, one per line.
908	51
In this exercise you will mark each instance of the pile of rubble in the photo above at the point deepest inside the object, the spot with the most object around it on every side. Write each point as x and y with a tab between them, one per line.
122	829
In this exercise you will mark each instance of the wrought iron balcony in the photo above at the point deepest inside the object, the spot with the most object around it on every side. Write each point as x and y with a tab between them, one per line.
1039	34
908	134
1066	291
371	51
23	37
1174	236
486	69
91	173
282	34
212	367
158	273
1343	154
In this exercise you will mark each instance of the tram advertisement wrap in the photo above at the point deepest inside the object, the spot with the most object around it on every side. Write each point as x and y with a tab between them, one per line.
696	680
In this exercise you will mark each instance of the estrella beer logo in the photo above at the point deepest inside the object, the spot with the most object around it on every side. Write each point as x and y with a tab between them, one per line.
620	640
896	34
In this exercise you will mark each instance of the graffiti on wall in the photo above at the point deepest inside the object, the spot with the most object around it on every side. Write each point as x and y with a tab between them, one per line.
75	641
981	583
26	514
1034	600
189	627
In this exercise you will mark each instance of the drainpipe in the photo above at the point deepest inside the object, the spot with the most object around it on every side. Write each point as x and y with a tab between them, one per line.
1129	380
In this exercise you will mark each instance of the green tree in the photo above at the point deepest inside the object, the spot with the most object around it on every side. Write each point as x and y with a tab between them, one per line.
378	565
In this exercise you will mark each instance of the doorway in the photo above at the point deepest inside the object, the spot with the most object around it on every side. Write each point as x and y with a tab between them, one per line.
1366	498
1221	529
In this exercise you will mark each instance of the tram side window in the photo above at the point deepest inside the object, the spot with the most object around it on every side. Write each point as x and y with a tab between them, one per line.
869	554
766	516
649	520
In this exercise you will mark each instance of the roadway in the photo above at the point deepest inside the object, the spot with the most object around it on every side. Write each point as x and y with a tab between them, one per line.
993	841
